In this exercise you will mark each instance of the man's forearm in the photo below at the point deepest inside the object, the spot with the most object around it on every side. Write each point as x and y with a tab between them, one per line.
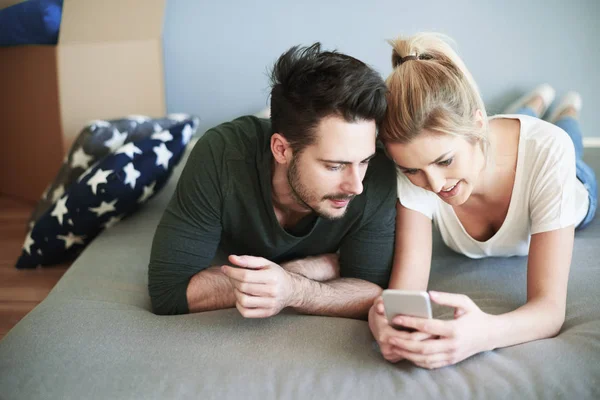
210	290
317	268
344	297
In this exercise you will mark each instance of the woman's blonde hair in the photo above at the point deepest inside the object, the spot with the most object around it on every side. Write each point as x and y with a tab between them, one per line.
431	89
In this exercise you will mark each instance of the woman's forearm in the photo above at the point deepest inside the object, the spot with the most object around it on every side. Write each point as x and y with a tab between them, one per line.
538	319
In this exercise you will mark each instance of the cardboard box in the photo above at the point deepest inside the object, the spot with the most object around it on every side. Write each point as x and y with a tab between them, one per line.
108	63
8	3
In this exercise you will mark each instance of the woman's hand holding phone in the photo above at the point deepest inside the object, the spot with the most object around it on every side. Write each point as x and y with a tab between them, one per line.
449	341
384	333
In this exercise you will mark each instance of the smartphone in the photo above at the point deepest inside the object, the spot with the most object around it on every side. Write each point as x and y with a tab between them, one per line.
413	303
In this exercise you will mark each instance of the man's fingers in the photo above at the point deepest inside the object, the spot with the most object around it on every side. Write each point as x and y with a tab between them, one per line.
249	261
256	289
253	312
248	301
243	275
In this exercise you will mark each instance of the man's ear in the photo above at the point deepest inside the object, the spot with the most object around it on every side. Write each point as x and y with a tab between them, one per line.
281	149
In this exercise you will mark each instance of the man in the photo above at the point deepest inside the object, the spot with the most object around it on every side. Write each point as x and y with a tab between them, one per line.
284	213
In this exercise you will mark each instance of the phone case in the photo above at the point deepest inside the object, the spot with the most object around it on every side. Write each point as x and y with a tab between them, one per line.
406	302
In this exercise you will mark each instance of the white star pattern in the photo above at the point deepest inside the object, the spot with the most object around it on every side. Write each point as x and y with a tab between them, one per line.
93	125
165	136
108	189
71	239
98	178
131	175
186	134
60	209
117	140
148	191
104	208
88	171
138	118
130	149
58	193
28	243
163	155
178	117
80	159
112	221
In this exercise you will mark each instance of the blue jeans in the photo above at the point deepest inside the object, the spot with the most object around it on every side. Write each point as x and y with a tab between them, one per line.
584	172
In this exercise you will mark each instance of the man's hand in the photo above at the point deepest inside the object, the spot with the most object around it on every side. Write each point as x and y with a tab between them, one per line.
261	287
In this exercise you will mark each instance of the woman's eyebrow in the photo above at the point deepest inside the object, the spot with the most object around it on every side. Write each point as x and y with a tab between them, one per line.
440	158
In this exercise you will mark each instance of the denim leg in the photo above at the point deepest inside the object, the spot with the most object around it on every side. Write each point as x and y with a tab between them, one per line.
526	111
571	126
584	172
587	176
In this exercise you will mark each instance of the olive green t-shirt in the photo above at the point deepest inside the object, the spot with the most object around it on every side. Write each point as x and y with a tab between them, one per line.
222	205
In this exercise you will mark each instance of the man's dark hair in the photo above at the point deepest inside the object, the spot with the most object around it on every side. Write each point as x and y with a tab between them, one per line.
308	84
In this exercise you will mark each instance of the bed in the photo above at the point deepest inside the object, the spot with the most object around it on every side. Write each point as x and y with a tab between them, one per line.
95	337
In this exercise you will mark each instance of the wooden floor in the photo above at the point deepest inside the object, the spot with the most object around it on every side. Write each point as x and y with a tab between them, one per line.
20	290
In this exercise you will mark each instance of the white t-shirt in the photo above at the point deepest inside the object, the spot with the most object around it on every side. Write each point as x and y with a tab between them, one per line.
546	195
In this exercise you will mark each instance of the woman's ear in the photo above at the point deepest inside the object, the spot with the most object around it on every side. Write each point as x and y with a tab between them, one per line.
281	149
479	118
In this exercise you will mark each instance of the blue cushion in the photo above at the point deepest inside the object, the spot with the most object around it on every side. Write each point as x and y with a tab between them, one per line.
98	139
107	192
31	22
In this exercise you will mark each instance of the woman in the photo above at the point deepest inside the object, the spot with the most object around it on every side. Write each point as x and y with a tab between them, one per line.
502	186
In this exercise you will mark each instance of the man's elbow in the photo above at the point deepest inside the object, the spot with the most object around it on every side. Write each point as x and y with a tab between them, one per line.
167	300
161	307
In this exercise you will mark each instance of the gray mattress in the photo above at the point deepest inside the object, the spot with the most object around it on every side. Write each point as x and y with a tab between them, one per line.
95	337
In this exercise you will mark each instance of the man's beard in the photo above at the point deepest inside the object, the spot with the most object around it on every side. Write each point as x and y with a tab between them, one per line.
303	197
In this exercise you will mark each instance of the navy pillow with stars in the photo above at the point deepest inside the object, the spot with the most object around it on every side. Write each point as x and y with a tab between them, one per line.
112	189
95	141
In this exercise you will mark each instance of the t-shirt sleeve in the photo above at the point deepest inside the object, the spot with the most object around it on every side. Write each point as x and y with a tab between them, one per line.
552	201
414	197
367	252
188	234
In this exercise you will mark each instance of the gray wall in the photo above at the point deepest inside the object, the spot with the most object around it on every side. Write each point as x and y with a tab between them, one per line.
217	52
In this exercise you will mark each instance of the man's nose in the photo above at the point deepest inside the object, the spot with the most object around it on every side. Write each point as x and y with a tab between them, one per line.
353	181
